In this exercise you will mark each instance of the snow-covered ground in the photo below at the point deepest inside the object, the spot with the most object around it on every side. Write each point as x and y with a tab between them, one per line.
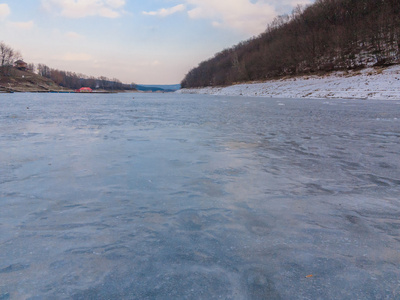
370	83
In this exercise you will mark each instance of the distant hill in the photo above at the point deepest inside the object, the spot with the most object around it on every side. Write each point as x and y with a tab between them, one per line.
158	88
326	36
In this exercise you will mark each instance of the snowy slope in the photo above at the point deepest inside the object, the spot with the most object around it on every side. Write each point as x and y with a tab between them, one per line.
370	83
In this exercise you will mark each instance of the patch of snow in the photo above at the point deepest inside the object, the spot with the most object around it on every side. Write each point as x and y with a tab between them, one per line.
369	83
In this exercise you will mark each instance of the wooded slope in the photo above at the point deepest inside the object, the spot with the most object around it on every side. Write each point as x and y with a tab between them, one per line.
328	35
24	81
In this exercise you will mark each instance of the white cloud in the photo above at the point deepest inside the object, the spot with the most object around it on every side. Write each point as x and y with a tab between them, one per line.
74	35
4	11
116	3
163	12
294	3
242	15
23	25
85	8
154	63
246	16
77	57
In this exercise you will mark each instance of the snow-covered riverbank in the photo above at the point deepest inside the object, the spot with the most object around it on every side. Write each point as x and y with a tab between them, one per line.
370	83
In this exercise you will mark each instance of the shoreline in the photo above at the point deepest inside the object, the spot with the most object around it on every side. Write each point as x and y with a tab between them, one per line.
368	83
38	91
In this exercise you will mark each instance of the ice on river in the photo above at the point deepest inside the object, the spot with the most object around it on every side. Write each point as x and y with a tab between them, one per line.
198	197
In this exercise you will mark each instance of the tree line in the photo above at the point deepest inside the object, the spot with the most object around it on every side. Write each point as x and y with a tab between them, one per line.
325	36
75	81
71	80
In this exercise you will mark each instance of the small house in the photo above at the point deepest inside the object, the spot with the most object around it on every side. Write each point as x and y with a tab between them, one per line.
21	65
84	90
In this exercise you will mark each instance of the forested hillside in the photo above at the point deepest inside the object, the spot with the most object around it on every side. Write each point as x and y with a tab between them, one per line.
328	35
74	80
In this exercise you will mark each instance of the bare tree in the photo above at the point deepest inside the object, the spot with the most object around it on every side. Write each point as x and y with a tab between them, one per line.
43	70
7	58
32	67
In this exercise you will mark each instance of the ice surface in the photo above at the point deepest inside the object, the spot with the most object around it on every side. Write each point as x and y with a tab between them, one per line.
198	197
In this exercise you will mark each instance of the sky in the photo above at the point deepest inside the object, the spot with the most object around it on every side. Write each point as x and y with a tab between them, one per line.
140	41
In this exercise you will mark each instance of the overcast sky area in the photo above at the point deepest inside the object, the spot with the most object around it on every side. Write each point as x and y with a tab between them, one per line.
141	41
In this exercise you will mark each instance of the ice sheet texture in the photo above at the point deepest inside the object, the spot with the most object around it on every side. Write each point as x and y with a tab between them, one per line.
134	196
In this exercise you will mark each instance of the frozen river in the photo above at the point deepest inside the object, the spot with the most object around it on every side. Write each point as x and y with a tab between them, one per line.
198	197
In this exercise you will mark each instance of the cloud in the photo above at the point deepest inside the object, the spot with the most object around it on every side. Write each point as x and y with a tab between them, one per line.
4	11
22	25
242	15
85	8
163	12
77	57
154	63
246	16
74	35
115	3
294	3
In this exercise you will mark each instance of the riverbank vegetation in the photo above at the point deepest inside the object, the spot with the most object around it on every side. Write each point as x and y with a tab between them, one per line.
75	81
326	36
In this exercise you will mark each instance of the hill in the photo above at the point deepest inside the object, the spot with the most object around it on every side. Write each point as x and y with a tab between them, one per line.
23	81
330	35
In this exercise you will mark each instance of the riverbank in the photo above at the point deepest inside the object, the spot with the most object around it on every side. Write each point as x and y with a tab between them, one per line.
33	88
369	83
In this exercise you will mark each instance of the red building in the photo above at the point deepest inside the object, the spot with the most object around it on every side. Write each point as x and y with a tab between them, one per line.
84	90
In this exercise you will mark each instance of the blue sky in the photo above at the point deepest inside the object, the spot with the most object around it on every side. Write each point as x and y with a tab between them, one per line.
148	42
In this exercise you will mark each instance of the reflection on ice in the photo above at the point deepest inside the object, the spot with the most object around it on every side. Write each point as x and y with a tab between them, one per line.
198	197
